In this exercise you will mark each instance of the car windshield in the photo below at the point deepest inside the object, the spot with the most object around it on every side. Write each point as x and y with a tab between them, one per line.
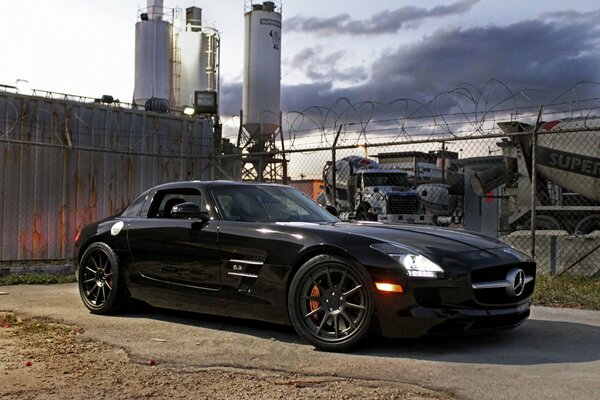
264	203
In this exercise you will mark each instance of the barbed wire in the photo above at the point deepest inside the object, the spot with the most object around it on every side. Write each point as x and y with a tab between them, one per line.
465	111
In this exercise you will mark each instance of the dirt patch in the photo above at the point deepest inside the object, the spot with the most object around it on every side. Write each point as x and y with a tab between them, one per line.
45	360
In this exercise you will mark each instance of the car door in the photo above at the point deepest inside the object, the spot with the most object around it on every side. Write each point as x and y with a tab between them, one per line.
175	253
256	255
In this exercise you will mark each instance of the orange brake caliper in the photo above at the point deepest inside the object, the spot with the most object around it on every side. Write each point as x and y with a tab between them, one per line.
314	304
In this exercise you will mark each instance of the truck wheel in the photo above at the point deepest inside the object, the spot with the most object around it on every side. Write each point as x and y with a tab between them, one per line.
545	223
363	214
588	224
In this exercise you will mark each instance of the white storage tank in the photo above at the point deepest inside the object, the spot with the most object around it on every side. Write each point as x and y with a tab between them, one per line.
153	52
198	47
262	68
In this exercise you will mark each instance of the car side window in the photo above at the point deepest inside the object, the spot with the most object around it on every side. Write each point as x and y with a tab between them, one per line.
240	205
165	200
133	210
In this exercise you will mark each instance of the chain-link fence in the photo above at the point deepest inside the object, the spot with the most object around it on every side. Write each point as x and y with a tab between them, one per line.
530	177
527	174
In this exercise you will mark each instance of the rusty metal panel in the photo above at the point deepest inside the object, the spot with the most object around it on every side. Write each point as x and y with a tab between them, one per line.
10	185
64	164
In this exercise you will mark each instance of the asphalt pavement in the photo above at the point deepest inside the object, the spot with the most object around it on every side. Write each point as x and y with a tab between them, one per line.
553	355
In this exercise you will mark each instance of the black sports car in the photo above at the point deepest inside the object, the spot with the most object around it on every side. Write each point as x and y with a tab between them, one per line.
268	252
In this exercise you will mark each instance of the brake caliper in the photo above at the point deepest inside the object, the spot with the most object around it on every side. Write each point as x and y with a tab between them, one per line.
314	304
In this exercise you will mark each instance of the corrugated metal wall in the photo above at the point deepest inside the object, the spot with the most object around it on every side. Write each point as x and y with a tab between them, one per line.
64	164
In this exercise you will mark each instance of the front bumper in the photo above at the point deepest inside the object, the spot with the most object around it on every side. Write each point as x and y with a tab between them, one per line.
418	320
441	307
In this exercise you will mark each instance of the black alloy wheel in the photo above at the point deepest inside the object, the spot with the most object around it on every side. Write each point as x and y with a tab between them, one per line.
101	285
330	303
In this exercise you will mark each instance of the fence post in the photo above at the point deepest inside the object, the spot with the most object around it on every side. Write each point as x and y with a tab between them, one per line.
217	147
284	162
534	180
333	175
443	162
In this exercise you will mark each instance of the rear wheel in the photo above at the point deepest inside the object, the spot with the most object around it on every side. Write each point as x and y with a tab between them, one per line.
588	224
330	303
545	222
101	284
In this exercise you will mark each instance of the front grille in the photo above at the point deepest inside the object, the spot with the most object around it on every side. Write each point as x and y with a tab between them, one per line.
500	296
499	272
398	204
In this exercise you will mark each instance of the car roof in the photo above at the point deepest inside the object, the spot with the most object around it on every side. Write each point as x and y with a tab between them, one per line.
209	184
380	170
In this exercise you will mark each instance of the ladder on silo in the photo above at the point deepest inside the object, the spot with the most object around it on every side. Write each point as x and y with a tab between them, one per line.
175	65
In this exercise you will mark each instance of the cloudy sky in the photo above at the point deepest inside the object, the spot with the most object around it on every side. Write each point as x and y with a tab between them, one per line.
380	50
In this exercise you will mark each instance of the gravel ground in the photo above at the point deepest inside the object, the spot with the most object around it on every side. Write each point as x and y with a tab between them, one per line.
46	360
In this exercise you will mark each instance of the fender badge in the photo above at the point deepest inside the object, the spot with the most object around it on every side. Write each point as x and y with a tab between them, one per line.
116	228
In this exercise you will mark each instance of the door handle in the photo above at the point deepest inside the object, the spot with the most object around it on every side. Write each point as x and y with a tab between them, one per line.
168	269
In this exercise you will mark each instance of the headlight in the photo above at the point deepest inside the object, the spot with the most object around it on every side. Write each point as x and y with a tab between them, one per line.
415	264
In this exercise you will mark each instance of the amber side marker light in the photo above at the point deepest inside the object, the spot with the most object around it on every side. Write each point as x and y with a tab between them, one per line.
389	287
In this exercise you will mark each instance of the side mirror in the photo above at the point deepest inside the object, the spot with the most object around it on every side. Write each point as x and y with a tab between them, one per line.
332	210
187	210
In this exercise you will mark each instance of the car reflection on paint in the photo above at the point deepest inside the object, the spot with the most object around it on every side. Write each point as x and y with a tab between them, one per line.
268	252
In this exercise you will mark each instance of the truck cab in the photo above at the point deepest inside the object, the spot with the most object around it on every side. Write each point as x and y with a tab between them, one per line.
381	192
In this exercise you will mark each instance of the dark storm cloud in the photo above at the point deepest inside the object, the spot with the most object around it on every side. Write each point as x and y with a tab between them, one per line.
547	55
382	22
230	98
319	66
536	54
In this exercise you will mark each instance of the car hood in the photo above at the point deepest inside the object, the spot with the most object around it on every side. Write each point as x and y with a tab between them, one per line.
426	239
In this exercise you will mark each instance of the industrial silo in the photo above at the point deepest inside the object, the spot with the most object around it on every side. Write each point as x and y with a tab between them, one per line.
198	47
153	55
261	93
262	68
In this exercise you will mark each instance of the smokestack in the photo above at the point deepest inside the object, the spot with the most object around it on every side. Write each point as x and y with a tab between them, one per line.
155	9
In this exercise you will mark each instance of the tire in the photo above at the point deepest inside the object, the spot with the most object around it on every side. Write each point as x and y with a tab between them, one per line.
363	214
545	222
330	303
588	224
100	279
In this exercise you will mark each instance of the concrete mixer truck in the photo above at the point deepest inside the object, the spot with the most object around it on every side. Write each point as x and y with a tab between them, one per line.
568	175
364	191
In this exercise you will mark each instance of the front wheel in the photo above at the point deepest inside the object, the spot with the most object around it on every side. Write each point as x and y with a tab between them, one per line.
100	280
330	303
